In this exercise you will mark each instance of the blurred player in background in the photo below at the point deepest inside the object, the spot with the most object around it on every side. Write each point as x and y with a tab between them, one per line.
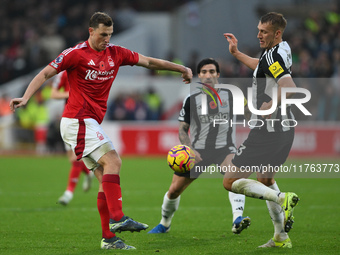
91	68
211	145
60	90
269	144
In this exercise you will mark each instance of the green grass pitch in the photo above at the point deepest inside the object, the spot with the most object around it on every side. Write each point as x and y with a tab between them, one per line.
32	223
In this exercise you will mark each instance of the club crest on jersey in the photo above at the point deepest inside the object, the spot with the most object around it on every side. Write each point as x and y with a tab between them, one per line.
100	136
102	66
224	103
111	63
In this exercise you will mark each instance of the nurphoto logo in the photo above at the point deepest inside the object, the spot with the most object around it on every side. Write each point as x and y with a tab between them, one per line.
238	104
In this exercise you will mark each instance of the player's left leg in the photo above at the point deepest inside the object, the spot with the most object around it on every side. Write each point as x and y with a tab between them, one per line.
87	183
171	201
71	184
102	207
89	174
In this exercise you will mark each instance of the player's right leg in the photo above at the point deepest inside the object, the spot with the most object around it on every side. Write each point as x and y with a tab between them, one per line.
171	202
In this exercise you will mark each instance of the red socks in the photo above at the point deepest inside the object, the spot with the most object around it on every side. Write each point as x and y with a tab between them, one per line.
84	168
104	216
76	169
113	194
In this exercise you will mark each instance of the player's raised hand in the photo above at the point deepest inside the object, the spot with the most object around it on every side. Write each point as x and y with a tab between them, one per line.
266	106
187	76
198	157
16	103
232	40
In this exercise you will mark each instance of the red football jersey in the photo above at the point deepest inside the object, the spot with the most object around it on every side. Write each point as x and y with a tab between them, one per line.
91	74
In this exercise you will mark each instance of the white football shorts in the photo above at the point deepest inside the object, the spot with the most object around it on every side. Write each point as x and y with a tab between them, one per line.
86	138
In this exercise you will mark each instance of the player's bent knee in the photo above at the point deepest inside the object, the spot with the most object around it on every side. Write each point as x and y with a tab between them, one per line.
227	183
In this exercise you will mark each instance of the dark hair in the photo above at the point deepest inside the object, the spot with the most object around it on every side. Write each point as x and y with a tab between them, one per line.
100	18
275	19
208	61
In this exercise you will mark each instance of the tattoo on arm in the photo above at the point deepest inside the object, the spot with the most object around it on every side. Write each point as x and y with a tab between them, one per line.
184	133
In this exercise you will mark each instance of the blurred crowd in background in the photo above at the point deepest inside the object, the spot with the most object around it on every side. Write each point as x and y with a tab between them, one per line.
33	32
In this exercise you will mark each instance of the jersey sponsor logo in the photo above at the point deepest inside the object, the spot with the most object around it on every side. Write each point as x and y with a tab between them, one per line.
93	75
59	59
276	69
91	63
211	117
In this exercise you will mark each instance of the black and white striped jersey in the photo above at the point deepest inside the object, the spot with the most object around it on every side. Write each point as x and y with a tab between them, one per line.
203	133
273	65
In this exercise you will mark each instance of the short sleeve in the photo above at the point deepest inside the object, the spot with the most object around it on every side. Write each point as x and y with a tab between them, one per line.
66	60
274	65
128	57
184	114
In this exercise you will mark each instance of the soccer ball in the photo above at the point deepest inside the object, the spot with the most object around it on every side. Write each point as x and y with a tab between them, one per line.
181	159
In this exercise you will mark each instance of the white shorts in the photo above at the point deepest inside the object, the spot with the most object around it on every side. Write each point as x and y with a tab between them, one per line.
86	138
67	147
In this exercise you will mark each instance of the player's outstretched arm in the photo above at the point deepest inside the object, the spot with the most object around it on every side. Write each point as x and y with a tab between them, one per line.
34	85
243	58
161	64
